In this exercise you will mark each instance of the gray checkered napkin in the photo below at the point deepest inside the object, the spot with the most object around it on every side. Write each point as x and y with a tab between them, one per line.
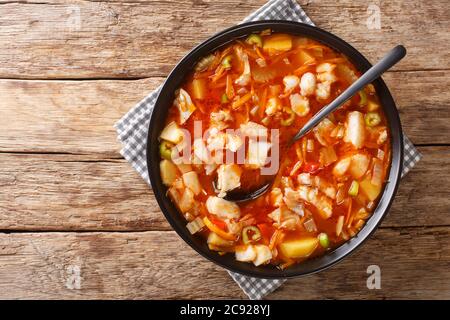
132	132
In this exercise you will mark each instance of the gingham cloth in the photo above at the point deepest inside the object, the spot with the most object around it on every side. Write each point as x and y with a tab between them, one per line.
132	132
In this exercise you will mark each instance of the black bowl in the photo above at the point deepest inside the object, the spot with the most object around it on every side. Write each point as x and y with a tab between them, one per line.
165	99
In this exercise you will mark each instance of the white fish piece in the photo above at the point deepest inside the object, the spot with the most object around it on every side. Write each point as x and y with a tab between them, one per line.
185	105
293	202
244	78
290	82
245	253
273	105
222	208
234	142
355	130
325	67
220	119
299	104
323	90
312	195
257	153
253	129
308	84
210	168
216	140
326	77
318	182
263	254
228	178
200	151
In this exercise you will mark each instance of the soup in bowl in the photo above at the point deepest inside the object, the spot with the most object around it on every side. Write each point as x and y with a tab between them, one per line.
229	128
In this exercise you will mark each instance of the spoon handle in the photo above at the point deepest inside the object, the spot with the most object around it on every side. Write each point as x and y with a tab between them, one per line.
390	59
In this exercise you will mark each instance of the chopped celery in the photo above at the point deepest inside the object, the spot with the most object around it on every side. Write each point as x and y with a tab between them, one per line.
363	98
254	235
372	119
165	149
195	225
226	62
254	39
289	121
354	188
224	98
324	240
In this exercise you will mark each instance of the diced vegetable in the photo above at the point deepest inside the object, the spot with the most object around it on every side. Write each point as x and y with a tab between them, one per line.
191	181
339	225
250	234
195	226
184	167
310	145
354	188
370	190
224	98
204	63
305	58
359	165
327	156
255	39
169	172
165	150
172	133
377	172
186	201
199	90
215	240
226	62
362	98
341	167
372	106
277	42
324	240
300	248
310	225
372	119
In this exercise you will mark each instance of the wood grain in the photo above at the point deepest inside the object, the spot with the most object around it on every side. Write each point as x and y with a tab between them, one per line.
149	265
62	39
68	192
78	116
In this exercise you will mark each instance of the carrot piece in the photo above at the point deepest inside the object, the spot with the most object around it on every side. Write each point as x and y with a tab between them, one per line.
246	97
229	87
221	224
303	69
262	103
349	211
266	230
211	226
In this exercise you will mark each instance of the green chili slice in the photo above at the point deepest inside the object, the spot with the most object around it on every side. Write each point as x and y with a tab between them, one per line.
250	234
255	39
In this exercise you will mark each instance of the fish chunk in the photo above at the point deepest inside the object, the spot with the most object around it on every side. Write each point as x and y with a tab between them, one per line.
263	255
312	195
222	208
307	84
299	104
355	131
245	253
257	153
185	105
228	178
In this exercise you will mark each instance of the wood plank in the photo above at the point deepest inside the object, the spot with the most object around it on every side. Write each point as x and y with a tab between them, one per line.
68	192
60	39
150	265
78	116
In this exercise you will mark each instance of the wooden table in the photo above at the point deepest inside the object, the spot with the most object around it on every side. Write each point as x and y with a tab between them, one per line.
77	222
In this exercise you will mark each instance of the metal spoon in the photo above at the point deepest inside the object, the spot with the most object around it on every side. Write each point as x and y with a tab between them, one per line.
390	59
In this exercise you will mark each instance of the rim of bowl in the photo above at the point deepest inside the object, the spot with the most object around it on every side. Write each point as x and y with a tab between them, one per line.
164	102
